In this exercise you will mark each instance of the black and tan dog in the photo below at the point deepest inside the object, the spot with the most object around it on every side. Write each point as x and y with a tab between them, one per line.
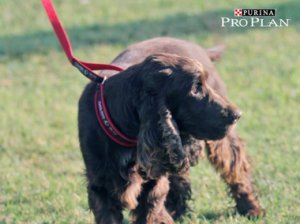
171	98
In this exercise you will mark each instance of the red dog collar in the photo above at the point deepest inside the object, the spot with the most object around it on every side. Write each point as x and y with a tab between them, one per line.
86	69
105	121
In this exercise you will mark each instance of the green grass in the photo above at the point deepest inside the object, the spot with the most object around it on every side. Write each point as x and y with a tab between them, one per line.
41	169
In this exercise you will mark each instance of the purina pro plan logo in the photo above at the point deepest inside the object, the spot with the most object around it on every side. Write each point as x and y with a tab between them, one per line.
253	19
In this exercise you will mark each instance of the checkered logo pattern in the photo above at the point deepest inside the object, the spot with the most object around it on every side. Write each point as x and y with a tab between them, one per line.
238	12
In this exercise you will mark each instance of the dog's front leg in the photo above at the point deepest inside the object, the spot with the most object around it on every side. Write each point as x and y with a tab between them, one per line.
106	209
133	189
151	208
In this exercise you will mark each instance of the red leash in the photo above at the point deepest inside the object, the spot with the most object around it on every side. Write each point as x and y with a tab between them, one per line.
85	68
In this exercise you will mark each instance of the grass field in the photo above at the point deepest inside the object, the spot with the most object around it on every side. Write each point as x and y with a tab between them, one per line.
41	169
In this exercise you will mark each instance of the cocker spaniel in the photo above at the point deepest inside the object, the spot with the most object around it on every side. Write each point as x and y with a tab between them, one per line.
171	99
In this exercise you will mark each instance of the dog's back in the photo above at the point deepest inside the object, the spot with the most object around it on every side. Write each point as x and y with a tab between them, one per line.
136	53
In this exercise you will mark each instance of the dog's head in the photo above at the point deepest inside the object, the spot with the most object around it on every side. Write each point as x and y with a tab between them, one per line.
176	99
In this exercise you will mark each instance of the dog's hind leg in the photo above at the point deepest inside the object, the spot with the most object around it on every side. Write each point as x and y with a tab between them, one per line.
229	158
105	208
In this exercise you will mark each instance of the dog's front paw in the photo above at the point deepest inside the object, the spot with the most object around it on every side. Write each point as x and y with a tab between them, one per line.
252	213
248	205
163	217
255	213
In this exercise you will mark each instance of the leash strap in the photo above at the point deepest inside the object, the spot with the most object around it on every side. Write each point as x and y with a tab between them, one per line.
85	68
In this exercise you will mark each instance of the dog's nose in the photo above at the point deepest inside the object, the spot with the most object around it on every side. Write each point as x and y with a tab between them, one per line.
235	116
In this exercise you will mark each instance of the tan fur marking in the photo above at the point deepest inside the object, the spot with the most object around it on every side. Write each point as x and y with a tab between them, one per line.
133	190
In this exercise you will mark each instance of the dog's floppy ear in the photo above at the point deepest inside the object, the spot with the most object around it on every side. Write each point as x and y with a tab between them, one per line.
159	148
215	53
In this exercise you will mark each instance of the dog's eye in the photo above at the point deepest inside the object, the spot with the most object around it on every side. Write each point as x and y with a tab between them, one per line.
197	88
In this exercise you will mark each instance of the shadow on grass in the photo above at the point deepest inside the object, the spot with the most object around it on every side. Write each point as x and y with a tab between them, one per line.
214	216
179	25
